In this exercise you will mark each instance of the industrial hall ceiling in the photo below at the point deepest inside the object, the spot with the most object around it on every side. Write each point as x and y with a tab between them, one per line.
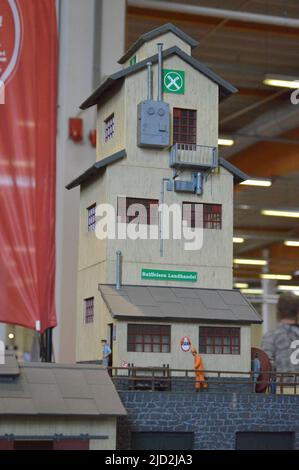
245	42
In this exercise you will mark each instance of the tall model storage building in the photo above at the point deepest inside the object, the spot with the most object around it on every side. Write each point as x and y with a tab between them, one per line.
157	142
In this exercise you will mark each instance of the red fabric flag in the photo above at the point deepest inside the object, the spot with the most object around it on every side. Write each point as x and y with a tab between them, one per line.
28	69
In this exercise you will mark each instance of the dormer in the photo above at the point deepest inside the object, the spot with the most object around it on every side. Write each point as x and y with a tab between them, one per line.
146	44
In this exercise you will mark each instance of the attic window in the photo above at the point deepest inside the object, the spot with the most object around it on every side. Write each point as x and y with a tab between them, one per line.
109	127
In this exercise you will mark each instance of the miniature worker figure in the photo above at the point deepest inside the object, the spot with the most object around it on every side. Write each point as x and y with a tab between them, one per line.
256	367
199	374
106	352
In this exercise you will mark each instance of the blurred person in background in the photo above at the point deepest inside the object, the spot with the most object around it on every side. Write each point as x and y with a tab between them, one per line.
282	344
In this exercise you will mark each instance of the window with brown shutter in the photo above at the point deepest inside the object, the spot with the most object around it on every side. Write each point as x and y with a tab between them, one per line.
211	217
148	215
148	338
218	340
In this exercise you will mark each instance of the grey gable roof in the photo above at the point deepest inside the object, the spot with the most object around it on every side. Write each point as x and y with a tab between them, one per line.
58	389
238	175
225	88
92	170
179	304
168	27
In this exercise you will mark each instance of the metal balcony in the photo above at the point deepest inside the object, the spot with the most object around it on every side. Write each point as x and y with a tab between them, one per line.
193	156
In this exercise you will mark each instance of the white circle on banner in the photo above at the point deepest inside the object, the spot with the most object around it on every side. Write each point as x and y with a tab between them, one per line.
14	54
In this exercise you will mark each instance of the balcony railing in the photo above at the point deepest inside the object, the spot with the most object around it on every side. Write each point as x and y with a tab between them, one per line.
193	156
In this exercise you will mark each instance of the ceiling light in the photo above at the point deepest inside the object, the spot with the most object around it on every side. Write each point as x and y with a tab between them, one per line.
241	285
255	262
252	291
288	288
279	213
281	81
238	240
11	335
266	183
291	243
226	142
280	277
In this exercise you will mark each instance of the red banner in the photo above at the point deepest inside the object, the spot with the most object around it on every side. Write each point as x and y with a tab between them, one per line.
28	69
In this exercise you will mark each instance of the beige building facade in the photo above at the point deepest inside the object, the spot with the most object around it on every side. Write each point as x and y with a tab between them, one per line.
125	171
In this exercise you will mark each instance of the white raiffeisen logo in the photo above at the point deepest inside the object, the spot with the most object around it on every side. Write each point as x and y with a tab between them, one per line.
12	57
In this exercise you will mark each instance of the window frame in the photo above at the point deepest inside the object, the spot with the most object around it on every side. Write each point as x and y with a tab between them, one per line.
223	332
207	223
184	133
147	330
109	128
91	217
88	305
124	218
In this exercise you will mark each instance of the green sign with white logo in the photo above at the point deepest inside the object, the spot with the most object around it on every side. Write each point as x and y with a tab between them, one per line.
174	81
163	275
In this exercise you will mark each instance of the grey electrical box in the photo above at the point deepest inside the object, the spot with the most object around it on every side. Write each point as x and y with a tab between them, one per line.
153	128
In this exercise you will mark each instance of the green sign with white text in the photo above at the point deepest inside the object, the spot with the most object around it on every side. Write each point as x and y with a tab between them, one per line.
163	275
174	81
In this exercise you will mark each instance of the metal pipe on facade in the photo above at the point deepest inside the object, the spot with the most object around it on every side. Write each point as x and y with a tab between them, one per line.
149	81
216	13
160	59
161	213
118	269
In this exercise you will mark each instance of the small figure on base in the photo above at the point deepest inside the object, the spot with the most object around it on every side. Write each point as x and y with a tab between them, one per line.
199	371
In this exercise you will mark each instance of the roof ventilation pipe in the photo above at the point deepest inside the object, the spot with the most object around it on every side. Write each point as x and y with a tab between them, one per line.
149	81
160	60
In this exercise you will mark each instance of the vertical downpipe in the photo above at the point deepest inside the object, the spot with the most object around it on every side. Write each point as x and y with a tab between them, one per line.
118	269
160	59
161	214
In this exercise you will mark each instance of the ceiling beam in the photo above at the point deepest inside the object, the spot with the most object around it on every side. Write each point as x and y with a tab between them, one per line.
164	16
269	159
258	93
282	260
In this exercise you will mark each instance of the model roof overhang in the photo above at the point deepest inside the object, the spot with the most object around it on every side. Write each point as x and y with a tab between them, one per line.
238	175
58	389
166	28
95	168
225	88
178	304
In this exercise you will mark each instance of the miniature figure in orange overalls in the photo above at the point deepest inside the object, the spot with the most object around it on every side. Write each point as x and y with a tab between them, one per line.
199	374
